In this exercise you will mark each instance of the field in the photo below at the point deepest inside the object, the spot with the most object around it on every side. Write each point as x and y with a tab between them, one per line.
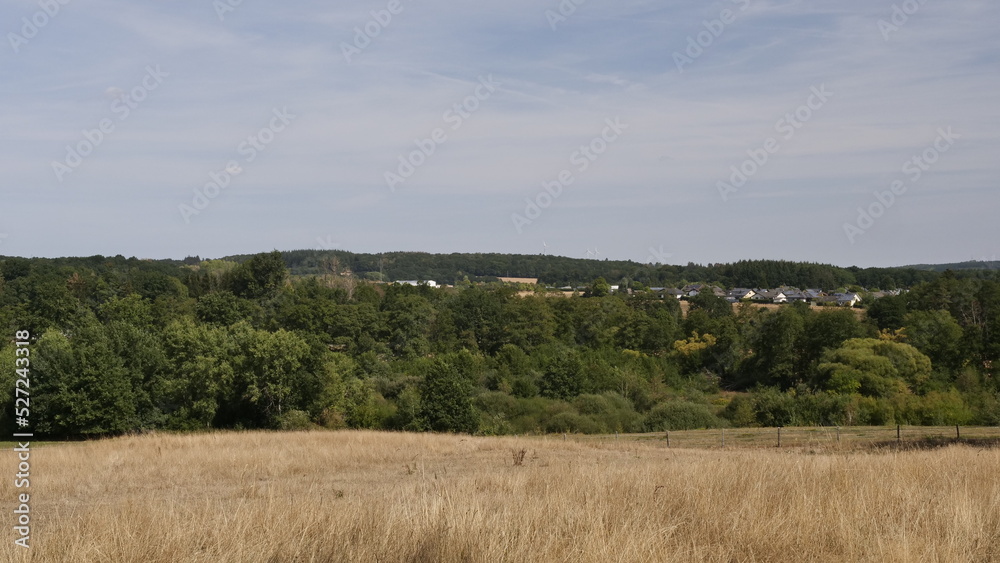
368	496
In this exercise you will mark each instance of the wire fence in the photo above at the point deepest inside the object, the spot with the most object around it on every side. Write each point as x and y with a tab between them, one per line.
825	437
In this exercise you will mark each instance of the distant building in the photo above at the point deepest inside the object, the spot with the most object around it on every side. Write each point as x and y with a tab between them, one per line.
740	294
672	291
848	299
429	283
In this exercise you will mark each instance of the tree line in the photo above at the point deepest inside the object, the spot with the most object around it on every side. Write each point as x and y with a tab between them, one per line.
561	270
122	345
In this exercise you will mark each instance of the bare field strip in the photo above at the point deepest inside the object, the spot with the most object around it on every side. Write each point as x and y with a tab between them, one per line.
369	496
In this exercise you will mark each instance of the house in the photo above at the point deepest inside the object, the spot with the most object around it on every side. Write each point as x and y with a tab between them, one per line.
795	296
769	296
881	294
740	294
693	290
847	299
813	294
672	291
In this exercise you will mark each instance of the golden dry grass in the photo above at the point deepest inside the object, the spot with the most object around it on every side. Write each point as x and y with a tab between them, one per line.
368	496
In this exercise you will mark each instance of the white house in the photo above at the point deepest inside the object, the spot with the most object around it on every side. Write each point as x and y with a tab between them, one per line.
847	299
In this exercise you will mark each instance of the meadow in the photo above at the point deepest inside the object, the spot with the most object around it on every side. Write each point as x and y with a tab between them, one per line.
372	496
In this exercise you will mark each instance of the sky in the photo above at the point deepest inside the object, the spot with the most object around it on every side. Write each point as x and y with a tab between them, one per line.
851	132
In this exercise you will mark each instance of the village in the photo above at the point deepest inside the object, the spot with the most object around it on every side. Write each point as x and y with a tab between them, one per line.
780	295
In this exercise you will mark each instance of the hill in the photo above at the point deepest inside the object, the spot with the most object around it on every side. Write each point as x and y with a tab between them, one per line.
991	265
561	270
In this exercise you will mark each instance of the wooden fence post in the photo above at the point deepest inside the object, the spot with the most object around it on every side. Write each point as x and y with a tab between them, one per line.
668	438
958	433
899	435
723	437
779	436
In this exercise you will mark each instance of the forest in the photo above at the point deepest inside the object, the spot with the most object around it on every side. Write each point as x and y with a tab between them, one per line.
561	270
306	339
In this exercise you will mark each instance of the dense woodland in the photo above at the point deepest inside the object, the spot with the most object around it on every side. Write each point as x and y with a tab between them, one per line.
560	270
289	341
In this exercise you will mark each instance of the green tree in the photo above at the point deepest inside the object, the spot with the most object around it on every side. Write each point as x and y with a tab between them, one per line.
888	313
201	374
269	369
874	368
714	306
224	308
446	399
936	334
599	288
775	360
825	330
259	277
82	387
563	376
408	320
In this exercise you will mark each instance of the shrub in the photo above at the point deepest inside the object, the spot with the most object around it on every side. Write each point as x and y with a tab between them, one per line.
681	415
572	422
294	420
740	412
774	408
495	411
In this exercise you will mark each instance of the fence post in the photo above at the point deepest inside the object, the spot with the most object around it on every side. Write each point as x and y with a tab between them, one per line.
668	438
838	434
723	437
958	433
899	436
779	436
616	435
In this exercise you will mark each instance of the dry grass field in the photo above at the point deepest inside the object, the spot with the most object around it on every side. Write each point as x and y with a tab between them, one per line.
368	496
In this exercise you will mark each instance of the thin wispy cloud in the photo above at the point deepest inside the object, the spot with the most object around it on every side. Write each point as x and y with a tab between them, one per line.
416	71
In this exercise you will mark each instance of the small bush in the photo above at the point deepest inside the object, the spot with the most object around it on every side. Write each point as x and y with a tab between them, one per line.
740	412
681	415
294	420
573	423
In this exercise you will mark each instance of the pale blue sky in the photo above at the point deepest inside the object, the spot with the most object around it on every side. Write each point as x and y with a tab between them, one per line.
321	180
